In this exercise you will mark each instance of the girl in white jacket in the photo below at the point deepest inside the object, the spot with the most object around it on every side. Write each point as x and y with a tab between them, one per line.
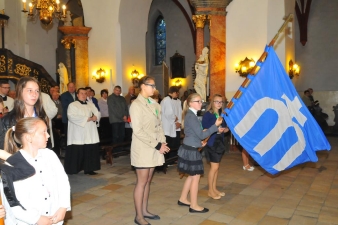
45	196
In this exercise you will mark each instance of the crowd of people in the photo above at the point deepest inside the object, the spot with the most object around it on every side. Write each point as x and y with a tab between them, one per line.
153	125
34	186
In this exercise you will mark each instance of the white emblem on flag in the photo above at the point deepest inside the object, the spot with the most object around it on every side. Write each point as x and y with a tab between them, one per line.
283	123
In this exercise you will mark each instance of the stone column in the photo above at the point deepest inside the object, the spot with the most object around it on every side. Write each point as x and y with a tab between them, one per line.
217	55
199	21
78	37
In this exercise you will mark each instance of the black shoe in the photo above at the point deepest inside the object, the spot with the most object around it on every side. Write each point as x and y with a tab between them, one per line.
135	221
90	173
198	211
154	217
182	204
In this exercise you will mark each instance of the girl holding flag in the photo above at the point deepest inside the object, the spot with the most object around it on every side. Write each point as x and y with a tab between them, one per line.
214	148
189	158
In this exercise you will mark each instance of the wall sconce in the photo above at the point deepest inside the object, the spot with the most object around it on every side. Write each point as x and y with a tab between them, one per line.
135	77
100	75
178	83
293	69
244	67
134	74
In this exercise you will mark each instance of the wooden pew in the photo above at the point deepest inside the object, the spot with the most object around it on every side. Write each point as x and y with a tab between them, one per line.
109	150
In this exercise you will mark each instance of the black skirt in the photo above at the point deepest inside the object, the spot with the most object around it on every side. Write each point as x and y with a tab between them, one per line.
82	157
189	160
214	153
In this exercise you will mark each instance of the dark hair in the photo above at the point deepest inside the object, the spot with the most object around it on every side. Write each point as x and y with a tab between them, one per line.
144	80
86	88
78	90
104	91
3	82
117	86
14	138
173	89
133	98
92	90
19	105
306	91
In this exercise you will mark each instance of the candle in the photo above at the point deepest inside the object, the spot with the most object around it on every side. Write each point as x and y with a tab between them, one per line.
24	5
57	5
30	8
64	10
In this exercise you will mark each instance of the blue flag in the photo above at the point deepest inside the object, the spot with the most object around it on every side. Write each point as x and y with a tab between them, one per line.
271	121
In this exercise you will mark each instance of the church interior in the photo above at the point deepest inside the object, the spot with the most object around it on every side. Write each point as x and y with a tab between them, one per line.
105	43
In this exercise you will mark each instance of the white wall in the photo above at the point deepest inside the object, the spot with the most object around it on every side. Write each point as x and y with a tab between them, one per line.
103	37
133	38
116	42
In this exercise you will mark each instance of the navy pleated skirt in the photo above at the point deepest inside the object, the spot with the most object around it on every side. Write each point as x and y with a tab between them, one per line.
189	160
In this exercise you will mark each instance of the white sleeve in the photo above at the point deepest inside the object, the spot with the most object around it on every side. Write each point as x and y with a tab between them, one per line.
30	215
9	103
167	110
49	106
75	116
62	181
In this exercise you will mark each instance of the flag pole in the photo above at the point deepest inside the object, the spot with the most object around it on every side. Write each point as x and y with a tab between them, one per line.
2	220
256	68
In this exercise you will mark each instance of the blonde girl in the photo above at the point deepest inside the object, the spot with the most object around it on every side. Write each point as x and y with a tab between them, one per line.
215	148
190	159
45	196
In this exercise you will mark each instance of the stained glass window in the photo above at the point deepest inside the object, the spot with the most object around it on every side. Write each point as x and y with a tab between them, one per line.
160	40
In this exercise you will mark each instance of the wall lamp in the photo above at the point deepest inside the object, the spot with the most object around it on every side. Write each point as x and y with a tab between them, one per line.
100	75
178	83
294	69
135	77
244	67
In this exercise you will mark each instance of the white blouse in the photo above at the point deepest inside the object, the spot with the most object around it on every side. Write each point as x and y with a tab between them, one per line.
43	193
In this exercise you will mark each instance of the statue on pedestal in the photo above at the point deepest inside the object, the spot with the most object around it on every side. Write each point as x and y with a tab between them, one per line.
63	77
201	67
68	20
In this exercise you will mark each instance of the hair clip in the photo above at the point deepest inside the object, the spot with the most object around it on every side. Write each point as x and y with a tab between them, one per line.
13	128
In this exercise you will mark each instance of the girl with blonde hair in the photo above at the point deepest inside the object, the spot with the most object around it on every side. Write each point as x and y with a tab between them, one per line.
189	158
45	196
214	148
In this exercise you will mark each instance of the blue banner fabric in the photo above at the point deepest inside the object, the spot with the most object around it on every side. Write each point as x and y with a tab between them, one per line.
271	121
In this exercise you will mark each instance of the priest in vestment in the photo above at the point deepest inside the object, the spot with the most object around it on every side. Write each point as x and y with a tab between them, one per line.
83	139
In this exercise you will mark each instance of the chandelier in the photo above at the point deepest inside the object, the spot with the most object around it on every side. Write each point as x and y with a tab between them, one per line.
46	9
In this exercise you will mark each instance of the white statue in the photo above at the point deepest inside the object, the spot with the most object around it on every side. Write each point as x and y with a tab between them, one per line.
68	20
201	67
63	77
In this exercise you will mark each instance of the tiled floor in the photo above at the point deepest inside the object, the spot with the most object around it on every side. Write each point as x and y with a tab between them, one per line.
307	194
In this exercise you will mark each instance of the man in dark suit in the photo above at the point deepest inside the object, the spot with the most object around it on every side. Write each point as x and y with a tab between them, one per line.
118	114
91	98
67	98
